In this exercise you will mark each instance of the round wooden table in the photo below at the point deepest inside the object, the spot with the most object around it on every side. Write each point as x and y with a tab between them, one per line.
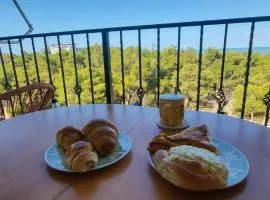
24	174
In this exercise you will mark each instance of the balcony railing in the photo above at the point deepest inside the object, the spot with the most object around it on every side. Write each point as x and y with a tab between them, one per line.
57	59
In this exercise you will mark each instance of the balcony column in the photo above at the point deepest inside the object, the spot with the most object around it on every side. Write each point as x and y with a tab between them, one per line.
107	65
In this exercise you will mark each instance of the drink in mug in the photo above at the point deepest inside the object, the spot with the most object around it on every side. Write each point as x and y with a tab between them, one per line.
171	107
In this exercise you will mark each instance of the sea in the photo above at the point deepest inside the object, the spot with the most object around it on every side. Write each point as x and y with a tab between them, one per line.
262	50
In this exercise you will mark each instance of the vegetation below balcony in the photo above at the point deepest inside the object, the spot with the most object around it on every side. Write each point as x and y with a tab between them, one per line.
233	83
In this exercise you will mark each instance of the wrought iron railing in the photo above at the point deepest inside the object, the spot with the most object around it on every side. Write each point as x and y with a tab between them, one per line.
220	95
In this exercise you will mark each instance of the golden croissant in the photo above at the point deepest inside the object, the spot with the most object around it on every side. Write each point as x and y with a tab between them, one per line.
102	134
67	136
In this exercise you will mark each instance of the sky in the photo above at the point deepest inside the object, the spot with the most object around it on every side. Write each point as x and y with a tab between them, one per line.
61	15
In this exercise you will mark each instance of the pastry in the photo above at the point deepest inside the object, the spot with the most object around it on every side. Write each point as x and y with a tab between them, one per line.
160	142
191	168
102	134
96	123
81	157
67	136
197	136
78	147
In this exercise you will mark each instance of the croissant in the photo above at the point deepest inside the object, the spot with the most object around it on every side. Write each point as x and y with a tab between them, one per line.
81	157
102	134
160	142
78	147
67	136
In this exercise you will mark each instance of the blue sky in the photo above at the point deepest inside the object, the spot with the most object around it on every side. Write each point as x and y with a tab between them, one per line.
60	15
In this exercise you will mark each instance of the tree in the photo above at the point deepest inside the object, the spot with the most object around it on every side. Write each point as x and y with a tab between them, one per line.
233	81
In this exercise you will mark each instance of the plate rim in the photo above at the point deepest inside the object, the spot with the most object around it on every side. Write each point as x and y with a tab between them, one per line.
96	168
153	165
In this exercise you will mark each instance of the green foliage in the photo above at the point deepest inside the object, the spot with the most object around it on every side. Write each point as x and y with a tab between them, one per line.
234	73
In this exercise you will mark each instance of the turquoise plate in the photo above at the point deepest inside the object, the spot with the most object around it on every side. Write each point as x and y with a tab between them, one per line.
55	157
235	161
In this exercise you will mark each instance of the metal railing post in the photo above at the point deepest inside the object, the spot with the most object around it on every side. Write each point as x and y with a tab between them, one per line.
107	65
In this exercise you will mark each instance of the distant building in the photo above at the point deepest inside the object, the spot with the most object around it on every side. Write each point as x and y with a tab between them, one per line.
66	47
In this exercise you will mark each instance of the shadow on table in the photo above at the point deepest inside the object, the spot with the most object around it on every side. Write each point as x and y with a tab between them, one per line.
86	184
165	189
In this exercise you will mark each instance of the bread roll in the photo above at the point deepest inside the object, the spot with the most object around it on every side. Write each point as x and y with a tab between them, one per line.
81	157
67	136
191	168
102	134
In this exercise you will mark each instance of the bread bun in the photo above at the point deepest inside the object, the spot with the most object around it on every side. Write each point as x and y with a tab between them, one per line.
67	136
102	134
81	157
191	168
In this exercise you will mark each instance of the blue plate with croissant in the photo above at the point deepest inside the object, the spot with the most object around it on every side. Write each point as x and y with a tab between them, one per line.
55	156
98	145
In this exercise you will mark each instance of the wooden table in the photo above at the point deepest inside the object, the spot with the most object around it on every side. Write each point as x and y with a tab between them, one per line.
24	174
